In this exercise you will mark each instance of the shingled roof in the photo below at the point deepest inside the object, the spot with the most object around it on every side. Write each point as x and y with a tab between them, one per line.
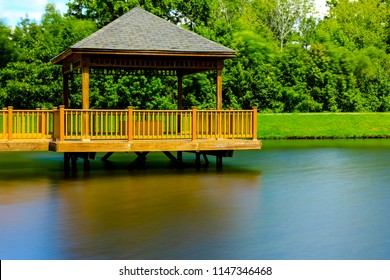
140	32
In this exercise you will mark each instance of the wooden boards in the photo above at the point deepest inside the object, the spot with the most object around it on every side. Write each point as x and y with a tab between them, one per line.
154	145
24	145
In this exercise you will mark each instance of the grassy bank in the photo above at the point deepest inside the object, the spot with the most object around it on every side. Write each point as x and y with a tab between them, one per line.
324	125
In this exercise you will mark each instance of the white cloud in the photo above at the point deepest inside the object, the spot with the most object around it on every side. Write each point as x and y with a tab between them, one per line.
11	11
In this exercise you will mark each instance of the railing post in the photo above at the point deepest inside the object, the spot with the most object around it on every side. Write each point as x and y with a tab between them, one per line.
231	124
219	125
3	113
85	124
10	120
194	123
55	123
130	123
62	123
254	123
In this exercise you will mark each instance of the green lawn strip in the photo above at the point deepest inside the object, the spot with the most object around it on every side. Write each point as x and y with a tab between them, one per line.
323	125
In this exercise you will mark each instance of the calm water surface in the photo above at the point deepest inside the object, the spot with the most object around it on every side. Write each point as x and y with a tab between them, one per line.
292	200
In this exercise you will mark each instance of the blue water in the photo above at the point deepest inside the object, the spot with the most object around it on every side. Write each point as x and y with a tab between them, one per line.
292	200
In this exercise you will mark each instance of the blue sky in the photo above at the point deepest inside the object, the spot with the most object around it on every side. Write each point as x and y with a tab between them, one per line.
11	11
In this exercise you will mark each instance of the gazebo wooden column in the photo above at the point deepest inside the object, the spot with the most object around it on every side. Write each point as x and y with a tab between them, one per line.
85	82
85	94
65	85
179	91
219	84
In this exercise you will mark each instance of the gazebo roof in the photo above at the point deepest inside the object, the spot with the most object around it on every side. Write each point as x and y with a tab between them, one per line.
139	32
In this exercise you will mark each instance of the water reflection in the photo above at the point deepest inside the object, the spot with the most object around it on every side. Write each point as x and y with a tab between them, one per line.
285	202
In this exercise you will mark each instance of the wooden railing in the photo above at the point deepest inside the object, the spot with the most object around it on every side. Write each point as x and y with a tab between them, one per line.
74	124
133	124
26	124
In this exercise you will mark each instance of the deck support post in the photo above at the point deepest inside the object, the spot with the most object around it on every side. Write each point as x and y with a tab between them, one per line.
140	160
206	160
197	159
74	162
66	161
86	161
70	157
180	157
219	162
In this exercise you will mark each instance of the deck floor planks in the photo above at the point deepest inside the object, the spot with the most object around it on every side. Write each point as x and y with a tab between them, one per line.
24	145
153	145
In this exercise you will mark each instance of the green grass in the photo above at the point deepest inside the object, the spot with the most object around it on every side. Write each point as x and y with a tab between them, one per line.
323	125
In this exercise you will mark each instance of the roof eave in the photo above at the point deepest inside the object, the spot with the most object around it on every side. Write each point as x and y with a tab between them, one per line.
59	58
218	55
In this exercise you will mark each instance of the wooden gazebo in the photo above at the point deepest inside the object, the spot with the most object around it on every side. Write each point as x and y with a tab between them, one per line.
140	43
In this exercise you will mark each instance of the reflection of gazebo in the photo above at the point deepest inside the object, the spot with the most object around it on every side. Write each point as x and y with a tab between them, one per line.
139	43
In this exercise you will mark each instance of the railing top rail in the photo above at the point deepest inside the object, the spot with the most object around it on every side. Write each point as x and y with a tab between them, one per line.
32	111
96	110
152	111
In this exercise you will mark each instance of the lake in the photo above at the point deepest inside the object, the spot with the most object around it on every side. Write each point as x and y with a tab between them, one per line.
304	199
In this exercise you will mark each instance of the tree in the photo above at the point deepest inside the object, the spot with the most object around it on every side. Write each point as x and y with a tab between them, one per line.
286	17
358	24
29	80
6	45
188	12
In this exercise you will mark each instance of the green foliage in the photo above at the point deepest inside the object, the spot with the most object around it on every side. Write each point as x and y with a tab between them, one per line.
190	12
29	80
6	45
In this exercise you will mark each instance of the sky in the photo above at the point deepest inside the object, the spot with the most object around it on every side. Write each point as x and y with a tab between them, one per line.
11	11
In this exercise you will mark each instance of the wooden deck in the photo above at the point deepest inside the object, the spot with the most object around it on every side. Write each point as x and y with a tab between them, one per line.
71	130
153	145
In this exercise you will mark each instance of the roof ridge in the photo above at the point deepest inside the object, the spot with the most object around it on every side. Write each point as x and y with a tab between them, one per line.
141	30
